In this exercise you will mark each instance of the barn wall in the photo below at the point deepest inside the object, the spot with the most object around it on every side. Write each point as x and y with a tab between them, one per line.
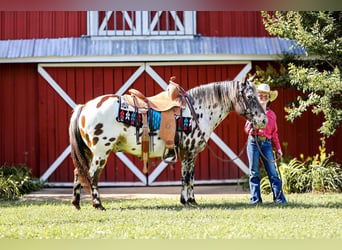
230	23
55	24
34	119
42	24
19	103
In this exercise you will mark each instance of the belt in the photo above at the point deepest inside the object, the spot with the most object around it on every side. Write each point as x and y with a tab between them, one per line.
260	138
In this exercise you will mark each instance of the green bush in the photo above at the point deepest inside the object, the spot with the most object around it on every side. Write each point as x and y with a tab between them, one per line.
314	174
16	180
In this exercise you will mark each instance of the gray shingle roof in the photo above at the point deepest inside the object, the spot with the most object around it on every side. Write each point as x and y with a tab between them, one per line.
88	47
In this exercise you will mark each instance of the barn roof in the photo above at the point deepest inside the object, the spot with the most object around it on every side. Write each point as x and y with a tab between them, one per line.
86	49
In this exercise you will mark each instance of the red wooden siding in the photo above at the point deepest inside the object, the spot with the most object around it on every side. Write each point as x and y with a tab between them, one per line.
54	24
42	24
19	125
230	23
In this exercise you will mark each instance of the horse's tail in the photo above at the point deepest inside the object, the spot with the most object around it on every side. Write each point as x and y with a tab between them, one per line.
80	153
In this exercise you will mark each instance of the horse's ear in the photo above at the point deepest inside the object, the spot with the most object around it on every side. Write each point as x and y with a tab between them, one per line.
251	79
244	81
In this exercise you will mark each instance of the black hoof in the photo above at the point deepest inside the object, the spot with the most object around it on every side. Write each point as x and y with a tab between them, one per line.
192	202
99	207
76	205
189	202
182	200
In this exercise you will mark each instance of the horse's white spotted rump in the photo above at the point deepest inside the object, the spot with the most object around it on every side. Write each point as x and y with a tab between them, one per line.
95	132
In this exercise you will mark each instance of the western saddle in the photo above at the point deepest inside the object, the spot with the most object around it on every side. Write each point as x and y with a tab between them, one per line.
169	103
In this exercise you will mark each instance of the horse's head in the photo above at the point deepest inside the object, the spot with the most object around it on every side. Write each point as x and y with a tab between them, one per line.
248	104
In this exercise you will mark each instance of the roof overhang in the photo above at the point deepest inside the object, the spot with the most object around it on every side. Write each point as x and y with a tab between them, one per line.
85	49
140	58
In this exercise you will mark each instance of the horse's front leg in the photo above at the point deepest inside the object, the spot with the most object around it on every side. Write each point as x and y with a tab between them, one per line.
191	193
187	194
97	165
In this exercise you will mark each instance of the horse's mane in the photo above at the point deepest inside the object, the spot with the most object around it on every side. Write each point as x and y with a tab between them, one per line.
224	92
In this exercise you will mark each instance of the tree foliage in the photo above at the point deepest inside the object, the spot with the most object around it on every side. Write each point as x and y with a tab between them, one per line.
318	73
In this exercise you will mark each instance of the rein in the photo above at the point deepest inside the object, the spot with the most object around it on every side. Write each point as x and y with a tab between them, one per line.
227	160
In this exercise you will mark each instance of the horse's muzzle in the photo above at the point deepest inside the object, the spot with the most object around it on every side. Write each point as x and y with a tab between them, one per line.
260	121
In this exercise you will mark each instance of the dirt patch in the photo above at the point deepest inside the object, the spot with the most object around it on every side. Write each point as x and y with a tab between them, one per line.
117	193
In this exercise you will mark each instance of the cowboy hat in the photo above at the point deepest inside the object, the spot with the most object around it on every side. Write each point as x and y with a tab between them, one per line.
265	88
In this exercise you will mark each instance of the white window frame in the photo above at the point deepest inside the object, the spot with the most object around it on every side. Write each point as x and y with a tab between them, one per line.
141	24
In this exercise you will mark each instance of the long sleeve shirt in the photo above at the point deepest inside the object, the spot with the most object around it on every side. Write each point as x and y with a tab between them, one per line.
271	130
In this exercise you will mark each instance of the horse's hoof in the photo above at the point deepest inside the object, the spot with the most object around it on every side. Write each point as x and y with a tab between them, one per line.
183	201
188	203
99	207
192	202
78	208
76	205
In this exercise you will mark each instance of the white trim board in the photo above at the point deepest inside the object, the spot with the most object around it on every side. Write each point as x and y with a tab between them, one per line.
141	58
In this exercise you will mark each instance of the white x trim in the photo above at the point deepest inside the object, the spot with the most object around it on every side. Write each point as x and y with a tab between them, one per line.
141	68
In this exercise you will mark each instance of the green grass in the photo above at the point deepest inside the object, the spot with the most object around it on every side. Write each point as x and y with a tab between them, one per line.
305	216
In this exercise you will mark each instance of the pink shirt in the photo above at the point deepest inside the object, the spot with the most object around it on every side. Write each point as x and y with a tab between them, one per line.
271	130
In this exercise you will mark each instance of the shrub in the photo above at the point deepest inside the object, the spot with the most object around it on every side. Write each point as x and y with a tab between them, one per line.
313	174
17	180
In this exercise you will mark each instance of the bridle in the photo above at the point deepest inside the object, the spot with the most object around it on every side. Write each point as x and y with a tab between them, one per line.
247	102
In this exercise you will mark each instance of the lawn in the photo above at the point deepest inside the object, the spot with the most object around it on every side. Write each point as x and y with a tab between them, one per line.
305	216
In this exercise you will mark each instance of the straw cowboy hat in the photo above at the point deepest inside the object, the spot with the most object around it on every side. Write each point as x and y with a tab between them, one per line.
265	88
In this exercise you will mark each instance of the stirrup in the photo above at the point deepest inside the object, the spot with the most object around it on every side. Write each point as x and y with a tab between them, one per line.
175	158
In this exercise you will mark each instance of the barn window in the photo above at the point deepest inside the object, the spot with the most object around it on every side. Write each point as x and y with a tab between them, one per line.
125	24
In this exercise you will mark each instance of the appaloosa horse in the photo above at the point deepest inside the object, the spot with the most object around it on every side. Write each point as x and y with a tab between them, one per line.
95	132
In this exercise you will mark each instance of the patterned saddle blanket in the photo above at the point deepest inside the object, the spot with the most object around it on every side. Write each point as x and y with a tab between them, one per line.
129	116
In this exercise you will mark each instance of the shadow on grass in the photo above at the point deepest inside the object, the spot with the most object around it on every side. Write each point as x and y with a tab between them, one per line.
269	205
158	204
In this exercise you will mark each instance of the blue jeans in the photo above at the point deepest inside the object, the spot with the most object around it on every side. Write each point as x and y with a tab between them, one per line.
254	178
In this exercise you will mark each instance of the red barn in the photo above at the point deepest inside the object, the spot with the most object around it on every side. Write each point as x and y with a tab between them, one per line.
50	61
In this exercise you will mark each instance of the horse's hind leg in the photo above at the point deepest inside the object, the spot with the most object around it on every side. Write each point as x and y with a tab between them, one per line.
76	190
97	165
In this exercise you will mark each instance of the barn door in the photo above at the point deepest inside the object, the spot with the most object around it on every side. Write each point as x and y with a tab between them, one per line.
68	84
